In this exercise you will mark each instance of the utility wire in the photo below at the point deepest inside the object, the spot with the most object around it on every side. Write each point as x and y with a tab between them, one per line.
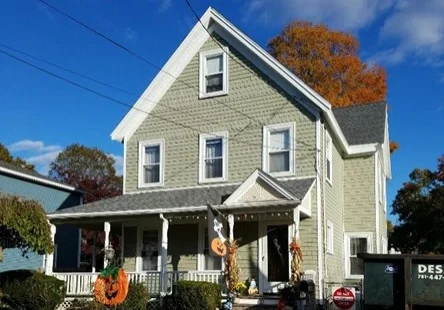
114	42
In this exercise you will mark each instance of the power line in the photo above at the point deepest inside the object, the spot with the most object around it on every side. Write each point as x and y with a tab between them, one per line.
119	45
90	90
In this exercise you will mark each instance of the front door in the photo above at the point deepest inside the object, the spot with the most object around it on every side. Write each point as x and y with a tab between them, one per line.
275	257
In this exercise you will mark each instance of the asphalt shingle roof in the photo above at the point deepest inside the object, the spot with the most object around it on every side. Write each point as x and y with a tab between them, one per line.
362	124
31	173
176	198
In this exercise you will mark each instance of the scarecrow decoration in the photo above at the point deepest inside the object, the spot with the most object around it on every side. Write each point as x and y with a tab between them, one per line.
111	286
296	260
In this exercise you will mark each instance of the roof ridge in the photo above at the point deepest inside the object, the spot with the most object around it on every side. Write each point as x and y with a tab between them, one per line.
356	105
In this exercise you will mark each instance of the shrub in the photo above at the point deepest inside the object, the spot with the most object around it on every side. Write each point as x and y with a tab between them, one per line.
191	295
30	290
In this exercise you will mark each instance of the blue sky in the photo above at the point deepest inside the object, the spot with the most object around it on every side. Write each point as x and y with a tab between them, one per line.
40	115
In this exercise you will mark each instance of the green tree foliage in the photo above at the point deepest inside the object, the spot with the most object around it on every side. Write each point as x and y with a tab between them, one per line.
6	156
23	225
419	205
88	168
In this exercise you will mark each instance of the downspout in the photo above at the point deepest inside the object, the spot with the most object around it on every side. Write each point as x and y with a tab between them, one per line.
319	209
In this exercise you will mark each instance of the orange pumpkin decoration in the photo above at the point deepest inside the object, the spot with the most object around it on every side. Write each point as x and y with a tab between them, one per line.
218	247
109	291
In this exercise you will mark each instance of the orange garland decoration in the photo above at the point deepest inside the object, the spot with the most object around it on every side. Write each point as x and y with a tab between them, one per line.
109	291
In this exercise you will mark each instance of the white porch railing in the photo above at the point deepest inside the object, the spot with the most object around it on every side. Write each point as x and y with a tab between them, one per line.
82	284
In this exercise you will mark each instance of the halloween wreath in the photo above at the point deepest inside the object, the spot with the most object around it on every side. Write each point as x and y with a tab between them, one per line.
111	286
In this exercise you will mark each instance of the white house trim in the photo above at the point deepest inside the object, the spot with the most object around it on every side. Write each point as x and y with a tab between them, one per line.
319	209
40	180
250	181
142	146
377	203
348	236
256	54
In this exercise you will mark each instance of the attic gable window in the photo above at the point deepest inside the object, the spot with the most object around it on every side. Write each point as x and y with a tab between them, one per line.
213	73
151	163
278	149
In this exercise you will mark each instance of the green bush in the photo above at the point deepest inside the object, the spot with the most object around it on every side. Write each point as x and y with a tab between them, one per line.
191	295
137	299
30	290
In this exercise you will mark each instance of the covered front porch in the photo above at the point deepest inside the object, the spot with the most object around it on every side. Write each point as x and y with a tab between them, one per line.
158	247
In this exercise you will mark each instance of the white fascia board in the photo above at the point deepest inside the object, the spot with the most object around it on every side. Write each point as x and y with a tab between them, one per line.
362	149
41	180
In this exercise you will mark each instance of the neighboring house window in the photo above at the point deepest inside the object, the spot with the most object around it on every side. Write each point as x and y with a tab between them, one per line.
210	262
213	75
151	163
150	249
330	238
213	157
329	158
278	149
356	243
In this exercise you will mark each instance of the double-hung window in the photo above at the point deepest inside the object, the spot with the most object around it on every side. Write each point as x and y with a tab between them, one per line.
213	73
151	163
356	243
278	149
329	158
213	157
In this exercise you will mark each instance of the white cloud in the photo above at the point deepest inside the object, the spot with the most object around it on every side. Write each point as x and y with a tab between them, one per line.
118	164
43	161
340	14
32	146
416	30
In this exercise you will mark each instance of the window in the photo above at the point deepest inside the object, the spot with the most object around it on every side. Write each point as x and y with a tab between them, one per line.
210	262
278	149
151	161
356	243
329	158
213	75
330	238
150	249
213	157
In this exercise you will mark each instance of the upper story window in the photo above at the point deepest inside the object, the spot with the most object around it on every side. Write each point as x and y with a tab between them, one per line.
356	243
329	157
213	73
278	149
151	163
213	157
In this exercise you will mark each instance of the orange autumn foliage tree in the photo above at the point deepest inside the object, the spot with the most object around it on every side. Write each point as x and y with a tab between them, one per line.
328	62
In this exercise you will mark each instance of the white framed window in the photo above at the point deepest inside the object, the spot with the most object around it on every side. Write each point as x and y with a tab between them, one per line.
329	157
330	238
213	73
213	157
278	149
356	243
150	250
151	163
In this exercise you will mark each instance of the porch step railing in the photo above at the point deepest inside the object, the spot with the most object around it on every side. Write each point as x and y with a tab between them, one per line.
82	284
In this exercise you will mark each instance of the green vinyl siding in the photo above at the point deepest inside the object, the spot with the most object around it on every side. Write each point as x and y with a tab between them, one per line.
250	93
247	234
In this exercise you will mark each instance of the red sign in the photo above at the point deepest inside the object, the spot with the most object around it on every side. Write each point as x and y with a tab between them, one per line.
343	298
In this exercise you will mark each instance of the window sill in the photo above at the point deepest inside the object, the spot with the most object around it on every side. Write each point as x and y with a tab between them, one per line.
212	181
215	94
282	174
144	186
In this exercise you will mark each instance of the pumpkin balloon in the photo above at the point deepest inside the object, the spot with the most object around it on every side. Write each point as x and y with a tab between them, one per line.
110	291
218	247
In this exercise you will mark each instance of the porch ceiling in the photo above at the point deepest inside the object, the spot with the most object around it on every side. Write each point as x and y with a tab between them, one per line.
179	200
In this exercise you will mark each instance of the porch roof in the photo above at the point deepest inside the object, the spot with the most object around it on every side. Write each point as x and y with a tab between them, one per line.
176	200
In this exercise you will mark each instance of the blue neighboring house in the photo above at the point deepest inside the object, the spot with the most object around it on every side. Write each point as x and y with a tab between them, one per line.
52	196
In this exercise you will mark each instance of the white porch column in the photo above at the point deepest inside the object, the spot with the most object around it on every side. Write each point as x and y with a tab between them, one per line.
107	229
94	252
231	226
50	257
163	267
296	222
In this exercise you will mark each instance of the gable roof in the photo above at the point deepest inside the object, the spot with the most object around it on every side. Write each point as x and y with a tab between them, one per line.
168	201
213	21
363	124
33	176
